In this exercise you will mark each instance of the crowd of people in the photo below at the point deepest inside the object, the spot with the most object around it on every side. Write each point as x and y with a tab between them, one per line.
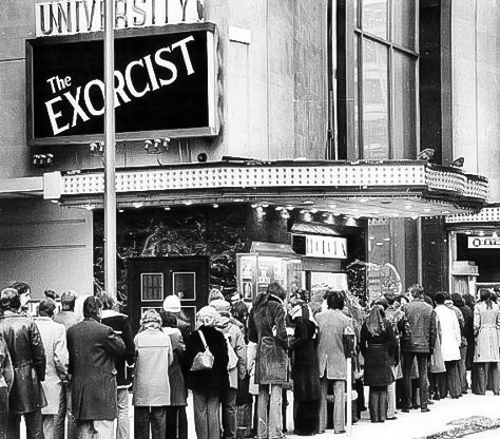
69	377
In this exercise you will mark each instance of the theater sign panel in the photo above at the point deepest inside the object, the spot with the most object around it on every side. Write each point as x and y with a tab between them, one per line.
164	84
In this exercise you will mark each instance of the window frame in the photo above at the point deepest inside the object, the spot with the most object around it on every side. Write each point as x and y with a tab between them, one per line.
350	37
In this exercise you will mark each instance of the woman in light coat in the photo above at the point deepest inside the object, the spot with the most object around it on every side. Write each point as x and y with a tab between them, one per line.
486	353
154	355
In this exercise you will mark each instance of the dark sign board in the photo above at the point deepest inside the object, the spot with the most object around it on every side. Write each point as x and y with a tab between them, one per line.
164	85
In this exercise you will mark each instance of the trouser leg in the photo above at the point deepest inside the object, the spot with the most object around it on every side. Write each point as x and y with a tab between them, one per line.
382	404
122	421
339	406
229	413
200	406
34	425
323	415
262	411
141	422
158	422
422	376
406	390
275	412
373	404
391	400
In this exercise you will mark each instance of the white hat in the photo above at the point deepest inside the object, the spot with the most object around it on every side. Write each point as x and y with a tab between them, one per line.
172	304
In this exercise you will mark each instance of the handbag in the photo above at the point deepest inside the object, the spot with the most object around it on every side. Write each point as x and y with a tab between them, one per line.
203	360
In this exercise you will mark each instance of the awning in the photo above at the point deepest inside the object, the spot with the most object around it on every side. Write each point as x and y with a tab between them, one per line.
21	187
368	189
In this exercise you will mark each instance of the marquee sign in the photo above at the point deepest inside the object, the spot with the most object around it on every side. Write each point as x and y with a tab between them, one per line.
483	242
68	17
164	83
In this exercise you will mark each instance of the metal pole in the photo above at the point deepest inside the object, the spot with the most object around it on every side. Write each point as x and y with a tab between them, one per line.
109	153
349	396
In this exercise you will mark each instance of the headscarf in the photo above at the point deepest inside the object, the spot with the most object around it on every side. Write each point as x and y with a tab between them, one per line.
374	321
302	309
207	316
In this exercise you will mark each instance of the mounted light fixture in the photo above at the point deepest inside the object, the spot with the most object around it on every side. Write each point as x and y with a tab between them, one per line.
97	148
157	146
43	160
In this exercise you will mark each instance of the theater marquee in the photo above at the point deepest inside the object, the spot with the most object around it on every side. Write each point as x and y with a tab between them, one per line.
164	85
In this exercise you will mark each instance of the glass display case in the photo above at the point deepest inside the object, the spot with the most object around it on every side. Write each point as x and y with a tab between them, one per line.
268	263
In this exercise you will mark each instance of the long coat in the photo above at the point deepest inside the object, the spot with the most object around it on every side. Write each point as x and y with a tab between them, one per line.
178	390
92	347
380	353
486	328
56	352
451	337
25	345
332	324
234	335
267	328
305	362
215	380
154	355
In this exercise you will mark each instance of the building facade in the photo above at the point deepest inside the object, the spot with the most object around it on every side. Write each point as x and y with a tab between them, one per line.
255	142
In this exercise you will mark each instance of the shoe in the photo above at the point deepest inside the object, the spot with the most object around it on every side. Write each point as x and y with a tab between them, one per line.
405	410
415	406
392	418
339	432
425	410
430	402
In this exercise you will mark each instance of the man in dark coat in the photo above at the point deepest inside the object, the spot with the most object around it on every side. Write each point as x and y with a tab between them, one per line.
120	323
92	348
418	343
23	340
267	328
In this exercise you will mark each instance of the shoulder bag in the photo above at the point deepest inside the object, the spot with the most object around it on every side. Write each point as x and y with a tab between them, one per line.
203	360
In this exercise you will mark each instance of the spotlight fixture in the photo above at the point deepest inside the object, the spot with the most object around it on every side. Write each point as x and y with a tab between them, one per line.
202	157
97	147
157	146
43	160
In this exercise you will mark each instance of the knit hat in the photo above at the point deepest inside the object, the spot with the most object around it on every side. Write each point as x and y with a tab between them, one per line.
172	304
221	306
207	316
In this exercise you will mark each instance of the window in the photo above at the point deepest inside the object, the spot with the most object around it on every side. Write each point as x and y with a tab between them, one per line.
152	287
378	61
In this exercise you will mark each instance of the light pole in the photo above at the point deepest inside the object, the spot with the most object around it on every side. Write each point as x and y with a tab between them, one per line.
109	153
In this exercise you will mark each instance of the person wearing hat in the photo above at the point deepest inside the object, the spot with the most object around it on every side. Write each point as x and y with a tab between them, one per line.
172	304
207	385
154	355
234	336
67	317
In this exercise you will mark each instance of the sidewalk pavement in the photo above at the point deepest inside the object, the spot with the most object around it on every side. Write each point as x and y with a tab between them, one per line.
466	413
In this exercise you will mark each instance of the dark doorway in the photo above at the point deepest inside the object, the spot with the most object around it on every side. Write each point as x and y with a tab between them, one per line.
151	280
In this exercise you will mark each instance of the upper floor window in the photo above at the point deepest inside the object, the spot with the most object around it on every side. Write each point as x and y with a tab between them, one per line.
378	61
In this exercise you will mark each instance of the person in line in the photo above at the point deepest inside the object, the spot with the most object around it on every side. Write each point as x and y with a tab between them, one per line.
151	379
24	291
486	330
207	385
235	338
176	410
332	326
6	382
267	329
396	317
120	323
418	343
92	349
67	317
450	347
467	337
306	387
56	352
24	343
379	347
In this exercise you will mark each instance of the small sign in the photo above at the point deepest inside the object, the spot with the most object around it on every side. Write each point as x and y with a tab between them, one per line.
326	247
483	242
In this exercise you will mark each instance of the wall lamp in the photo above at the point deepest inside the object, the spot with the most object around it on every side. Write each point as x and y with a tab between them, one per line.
43	160
97	147
157	146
